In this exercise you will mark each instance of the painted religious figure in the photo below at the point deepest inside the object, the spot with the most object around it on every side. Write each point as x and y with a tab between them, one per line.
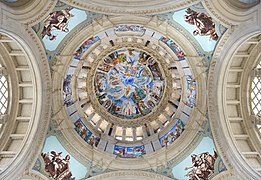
191	92
67	90
56	166
202	166
57	20
86	134
204	24
129	83
82	130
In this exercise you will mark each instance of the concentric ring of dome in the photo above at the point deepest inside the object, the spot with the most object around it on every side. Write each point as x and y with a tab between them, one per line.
94	125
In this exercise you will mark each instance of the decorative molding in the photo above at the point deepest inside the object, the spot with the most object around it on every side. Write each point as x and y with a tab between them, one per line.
37	128
30	13
217	105
137	8
145	175
228	14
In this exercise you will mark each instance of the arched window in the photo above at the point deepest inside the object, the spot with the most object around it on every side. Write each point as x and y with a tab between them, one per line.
3	92
256	95
3	95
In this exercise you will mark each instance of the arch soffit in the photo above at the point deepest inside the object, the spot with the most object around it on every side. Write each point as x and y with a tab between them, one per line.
225	141
42	83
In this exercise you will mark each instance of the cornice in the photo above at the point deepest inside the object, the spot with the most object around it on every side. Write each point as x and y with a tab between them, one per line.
228	14
127	174
229	175
30	13
99	6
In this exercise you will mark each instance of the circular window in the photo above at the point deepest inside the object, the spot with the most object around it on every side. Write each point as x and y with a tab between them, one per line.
129	83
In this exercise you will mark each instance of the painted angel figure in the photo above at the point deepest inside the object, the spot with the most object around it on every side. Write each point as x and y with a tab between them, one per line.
57	20
204	24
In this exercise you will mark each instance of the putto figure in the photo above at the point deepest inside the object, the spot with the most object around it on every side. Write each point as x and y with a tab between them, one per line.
204	24
57	167
202	166
57	20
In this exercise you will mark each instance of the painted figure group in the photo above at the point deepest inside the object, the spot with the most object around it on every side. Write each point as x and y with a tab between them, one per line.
173	134
191	92
67	91
129	83
86	134
85	46
202	166
57	20
56	166
174	47
129	152
204	24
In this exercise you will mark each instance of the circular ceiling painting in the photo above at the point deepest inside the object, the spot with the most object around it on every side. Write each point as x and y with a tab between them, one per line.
129	83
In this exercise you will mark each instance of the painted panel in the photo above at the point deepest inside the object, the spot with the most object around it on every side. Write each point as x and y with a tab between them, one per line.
67	90
130	29
174	47
86	134
191	91
129	152
85	46
173	134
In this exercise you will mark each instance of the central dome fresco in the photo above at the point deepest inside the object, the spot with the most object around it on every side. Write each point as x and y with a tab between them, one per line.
129	83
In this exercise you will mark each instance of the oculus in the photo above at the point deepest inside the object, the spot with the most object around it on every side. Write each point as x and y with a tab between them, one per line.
129	83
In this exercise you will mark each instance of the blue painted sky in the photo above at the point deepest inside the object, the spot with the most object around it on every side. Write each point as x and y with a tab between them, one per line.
52	144
206	145
206	43
79	16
